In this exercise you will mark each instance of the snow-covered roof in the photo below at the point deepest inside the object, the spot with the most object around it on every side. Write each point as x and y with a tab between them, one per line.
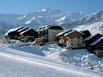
49	27
68	33
87	38
24	28
55	27
43	27
71	32
86	33
29	32
94	37
63	32
12	30
25	31
96	41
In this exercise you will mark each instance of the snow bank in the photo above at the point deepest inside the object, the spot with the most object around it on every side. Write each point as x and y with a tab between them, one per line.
26	47
79	57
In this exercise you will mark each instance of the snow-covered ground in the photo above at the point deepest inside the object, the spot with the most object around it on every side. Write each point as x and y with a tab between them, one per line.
80	57
28	60
15	63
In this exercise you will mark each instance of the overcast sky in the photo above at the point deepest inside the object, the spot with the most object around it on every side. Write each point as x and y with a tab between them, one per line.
26	6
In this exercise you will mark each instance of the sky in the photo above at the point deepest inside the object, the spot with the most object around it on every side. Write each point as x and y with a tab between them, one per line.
27	6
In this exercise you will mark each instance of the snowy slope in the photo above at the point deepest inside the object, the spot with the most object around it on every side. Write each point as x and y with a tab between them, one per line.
27	65
94	28
81	57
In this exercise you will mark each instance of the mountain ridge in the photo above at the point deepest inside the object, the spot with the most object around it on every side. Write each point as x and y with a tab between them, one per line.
52	17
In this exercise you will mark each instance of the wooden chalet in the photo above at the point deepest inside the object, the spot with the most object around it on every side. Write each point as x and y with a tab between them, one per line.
91	39
49	32
28	35
61	38
23	34
96	47
22	29
86	34
13	33
71	39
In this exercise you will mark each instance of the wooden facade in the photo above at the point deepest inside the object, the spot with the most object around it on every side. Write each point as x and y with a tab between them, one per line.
13	33
23	34
71	39
28	35
49	32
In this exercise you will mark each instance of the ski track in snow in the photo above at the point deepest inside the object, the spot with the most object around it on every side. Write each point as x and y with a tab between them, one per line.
67	71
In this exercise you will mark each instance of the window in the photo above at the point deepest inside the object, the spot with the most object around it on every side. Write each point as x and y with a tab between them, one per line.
72	44
40	32
46	31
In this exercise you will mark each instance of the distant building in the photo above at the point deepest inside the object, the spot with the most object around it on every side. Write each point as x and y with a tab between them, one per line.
28	35
91	39
71	39
61	38
96	47
49	32
13	33
22	29
86	33
23	34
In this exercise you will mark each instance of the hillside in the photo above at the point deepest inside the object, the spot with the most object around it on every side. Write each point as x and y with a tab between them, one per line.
54	17
38	18
94	28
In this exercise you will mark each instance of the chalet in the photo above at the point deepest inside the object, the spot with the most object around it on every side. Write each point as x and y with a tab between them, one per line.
91	39
23	34
49	32
22	29
13	33
71	39
96	47
28	35
61	38
86	33
63	32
